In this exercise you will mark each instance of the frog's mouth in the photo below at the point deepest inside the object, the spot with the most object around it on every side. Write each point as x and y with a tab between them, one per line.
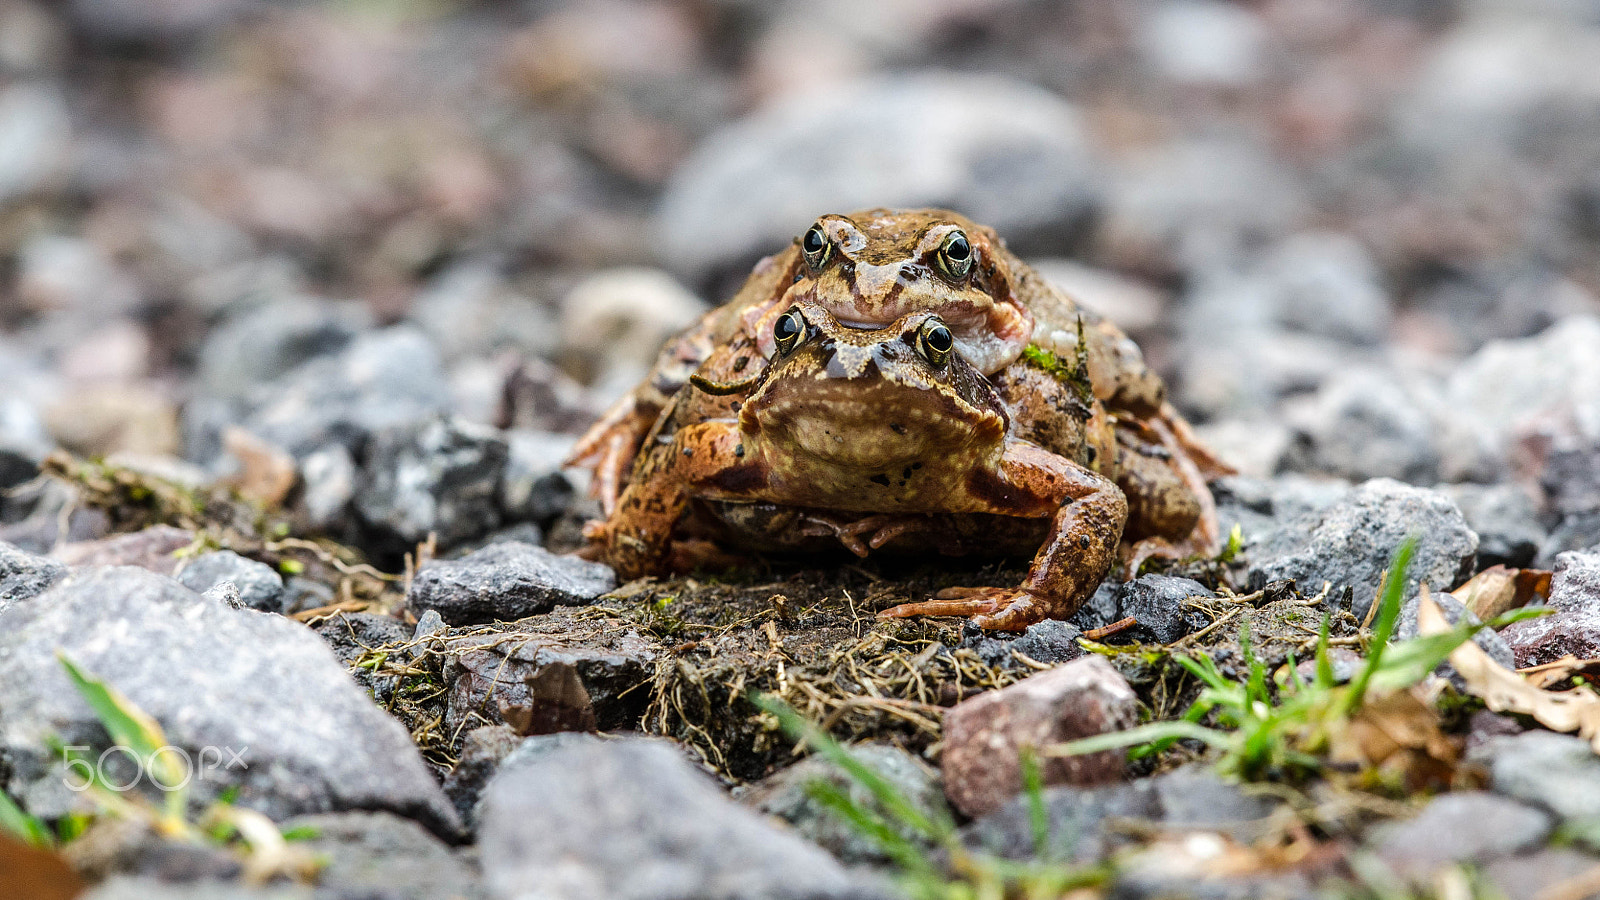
868	408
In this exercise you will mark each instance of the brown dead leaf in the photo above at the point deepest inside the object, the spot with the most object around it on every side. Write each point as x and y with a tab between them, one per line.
1399	733
1558	671
266	472
29	873
1503	690
1498	589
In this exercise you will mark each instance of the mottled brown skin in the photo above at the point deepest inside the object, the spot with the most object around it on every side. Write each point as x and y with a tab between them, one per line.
867	386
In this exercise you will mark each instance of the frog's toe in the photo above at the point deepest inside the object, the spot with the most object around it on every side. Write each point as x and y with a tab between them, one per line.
991	608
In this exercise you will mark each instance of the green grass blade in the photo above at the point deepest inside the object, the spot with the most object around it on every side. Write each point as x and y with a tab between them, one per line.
1177	729
1325	677
1383	626
127	724
1033	790
21	825
906	854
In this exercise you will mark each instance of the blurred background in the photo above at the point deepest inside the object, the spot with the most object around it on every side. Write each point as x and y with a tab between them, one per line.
1359	237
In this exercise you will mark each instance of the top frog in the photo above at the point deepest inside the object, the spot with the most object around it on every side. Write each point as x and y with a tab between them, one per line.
899	378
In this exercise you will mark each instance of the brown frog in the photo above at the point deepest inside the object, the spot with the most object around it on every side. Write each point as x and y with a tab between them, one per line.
899	379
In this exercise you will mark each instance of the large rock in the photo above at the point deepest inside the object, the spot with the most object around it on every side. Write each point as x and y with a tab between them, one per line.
379	855
440	476
1558	772
580	817
506	582
986	735
1007	154
1352	542
1157	602
236	681
1575	626
23	575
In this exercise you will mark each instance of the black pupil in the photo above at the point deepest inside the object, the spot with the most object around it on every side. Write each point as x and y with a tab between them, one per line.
813	241
939	338
958	249
786	327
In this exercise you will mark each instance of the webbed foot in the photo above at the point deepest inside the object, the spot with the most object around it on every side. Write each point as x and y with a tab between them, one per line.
991	608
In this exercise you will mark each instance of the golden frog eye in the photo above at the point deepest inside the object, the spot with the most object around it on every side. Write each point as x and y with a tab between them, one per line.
816	247
955	255
934	342
789	330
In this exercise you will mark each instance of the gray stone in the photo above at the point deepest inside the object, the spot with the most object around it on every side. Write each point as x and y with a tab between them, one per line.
1193	798
1487	639
383	379
1352	542
271	340
534	489
438	477
1365	423
380	855
1100	609
37	129
260	586
1555	771
1051	641
1260	506
506	582
1542	873
328	478
352	636
1506	519
1464	827
1074	823
985	736
1157	602
134	887
301	593
630	819
787	795
234	680
1575	626
1008	154
23	575
482	750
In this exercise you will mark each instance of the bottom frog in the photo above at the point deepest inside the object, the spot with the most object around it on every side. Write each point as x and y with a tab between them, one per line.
900	380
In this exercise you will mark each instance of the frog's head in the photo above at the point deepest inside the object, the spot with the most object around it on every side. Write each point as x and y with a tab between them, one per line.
874	268
862	409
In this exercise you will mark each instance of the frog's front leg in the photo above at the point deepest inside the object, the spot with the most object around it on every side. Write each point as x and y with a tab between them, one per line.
1087	511
707	456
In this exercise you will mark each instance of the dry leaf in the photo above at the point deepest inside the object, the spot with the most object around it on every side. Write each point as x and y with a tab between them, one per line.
1498	589
1558	670
1503	690
266	472
1399	733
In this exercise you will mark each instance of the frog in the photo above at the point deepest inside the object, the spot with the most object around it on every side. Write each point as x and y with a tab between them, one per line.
900	381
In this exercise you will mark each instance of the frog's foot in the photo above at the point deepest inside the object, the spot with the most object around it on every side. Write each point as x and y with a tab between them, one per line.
863	535
1135	555
991	608
609	449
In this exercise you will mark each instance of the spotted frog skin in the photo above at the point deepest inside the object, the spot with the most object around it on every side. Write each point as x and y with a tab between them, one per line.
900	380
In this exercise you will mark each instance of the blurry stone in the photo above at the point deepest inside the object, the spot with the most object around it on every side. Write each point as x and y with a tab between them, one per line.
42	514
35	132
1005	153
1575	626
114	846
540	397
471	311
1327	284
1487	639
136	887
1471	827
118	351
1193	798
547	678
1351	543
1205	42
1257	446
301	593
259	586
1259	506
154	549
631	819
383	379
266	343
23	575
615	322
534	488
1540	873
1557	772
381	855
1363	424
1528	386
787	795
1157	602
1578	531
439	477
506	582
1135	306
156	22
1506	519
1344	662
482	749
985	736
214	677
31	39
329	478
161	467
69	273
97	421
1076	820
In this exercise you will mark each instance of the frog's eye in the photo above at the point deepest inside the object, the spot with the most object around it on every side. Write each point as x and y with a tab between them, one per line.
934	342
816	247
955	255
789	330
